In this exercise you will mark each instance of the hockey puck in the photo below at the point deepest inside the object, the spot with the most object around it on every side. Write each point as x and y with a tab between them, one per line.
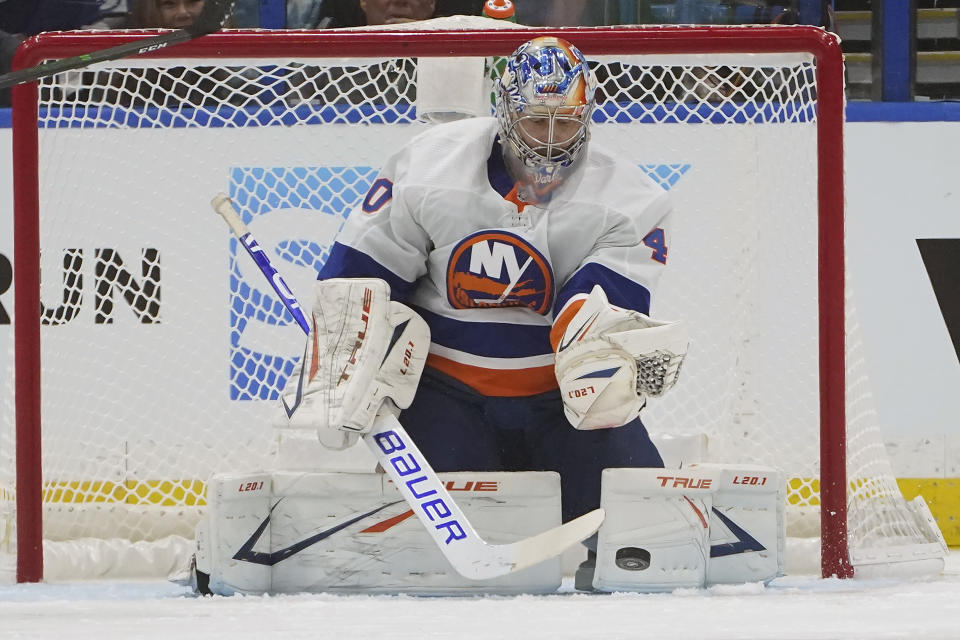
632	559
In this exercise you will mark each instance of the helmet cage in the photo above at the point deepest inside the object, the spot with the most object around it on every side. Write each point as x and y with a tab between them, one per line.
546	137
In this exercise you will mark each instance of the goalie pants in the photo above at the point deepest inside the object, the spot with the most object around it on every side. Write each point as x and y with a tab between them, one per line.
458	429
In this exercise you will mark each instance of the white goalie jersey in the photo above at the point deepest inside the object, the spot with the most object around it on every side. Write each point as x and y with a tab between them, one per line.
443	225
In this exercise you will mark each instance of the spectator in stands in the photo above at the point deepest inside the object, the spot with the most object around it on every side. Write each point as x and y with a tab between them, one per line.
123	14
324	14
357	13
162	14
303	14
459	8
159	14
559	13
388	82
177	14
148	87
397	11
30	17
20	19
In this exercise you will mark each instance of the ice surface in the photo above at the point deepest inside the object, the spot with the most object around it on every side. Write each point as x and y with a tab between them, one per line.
790	607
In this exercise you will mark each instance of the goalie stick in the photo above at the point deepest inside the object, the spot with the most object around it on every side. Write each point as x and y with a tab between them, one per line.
416	480
211	18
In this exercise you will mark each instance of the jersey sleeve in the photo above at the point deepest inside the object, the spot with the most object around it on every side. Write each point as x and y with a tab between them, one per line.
627	261
382	237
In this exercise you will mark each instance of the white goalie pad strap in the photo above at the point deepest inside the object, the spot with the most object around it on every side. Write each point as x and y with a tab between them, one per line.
704	525
362	349
352	532
609	360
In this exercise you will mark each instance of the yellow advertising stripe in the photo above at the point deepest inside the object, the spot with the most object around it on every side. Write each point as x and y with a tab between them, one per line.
170	493
803	491
160	493
943	497
941	494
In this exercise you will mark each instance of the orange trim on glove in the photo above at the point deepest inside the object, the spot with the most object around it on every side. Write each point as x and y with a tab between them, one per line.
562	321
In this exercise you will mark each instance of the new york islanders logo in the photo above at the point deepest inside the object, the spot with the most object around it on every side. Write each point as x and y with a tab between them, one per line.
498	269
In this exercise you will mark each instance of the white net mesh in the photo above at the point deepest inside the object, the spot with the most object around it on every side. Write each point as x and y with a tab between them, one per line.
163	350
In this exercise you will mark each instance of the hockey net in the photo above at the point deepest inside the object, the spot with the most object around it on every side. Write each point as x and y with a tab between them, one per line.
159	352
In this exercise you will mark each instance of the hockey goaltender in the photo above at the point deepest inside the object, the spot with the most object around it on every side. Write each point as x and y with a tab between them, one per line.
492	293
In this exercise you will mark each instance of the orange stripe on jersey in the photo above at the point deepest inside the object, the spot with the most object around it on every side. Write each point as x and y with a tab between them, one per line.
515	198
512	383
541	193
560	324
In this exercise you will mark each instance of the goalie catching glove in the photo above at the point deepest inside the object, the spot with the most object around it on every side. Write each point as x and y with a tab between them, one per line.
610	360
363	350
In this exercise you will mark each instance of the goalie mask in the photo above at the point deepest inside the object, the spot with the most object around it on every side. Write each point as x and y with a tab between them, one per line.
544	100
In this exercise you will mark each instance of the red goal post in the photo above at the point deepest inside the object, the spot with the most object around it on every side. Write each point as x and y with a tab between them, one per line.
693	47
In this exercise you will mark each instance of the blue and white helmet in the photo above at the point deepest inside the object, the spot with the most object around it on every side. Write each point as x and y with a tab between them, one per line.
544	100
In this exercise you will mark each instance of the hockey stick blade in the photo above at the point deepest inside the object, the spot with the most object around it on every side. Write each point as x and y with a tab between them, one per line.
416	480
211	18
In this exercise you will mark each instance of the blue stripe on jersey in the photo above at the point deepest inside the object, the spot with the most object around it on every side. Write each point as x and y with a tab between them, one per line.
488	339
620	291
497	174
347	262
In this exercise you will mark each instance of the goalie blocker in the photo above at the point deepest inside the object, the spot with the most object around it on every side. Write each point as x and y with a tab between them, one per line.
296	532
364	354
